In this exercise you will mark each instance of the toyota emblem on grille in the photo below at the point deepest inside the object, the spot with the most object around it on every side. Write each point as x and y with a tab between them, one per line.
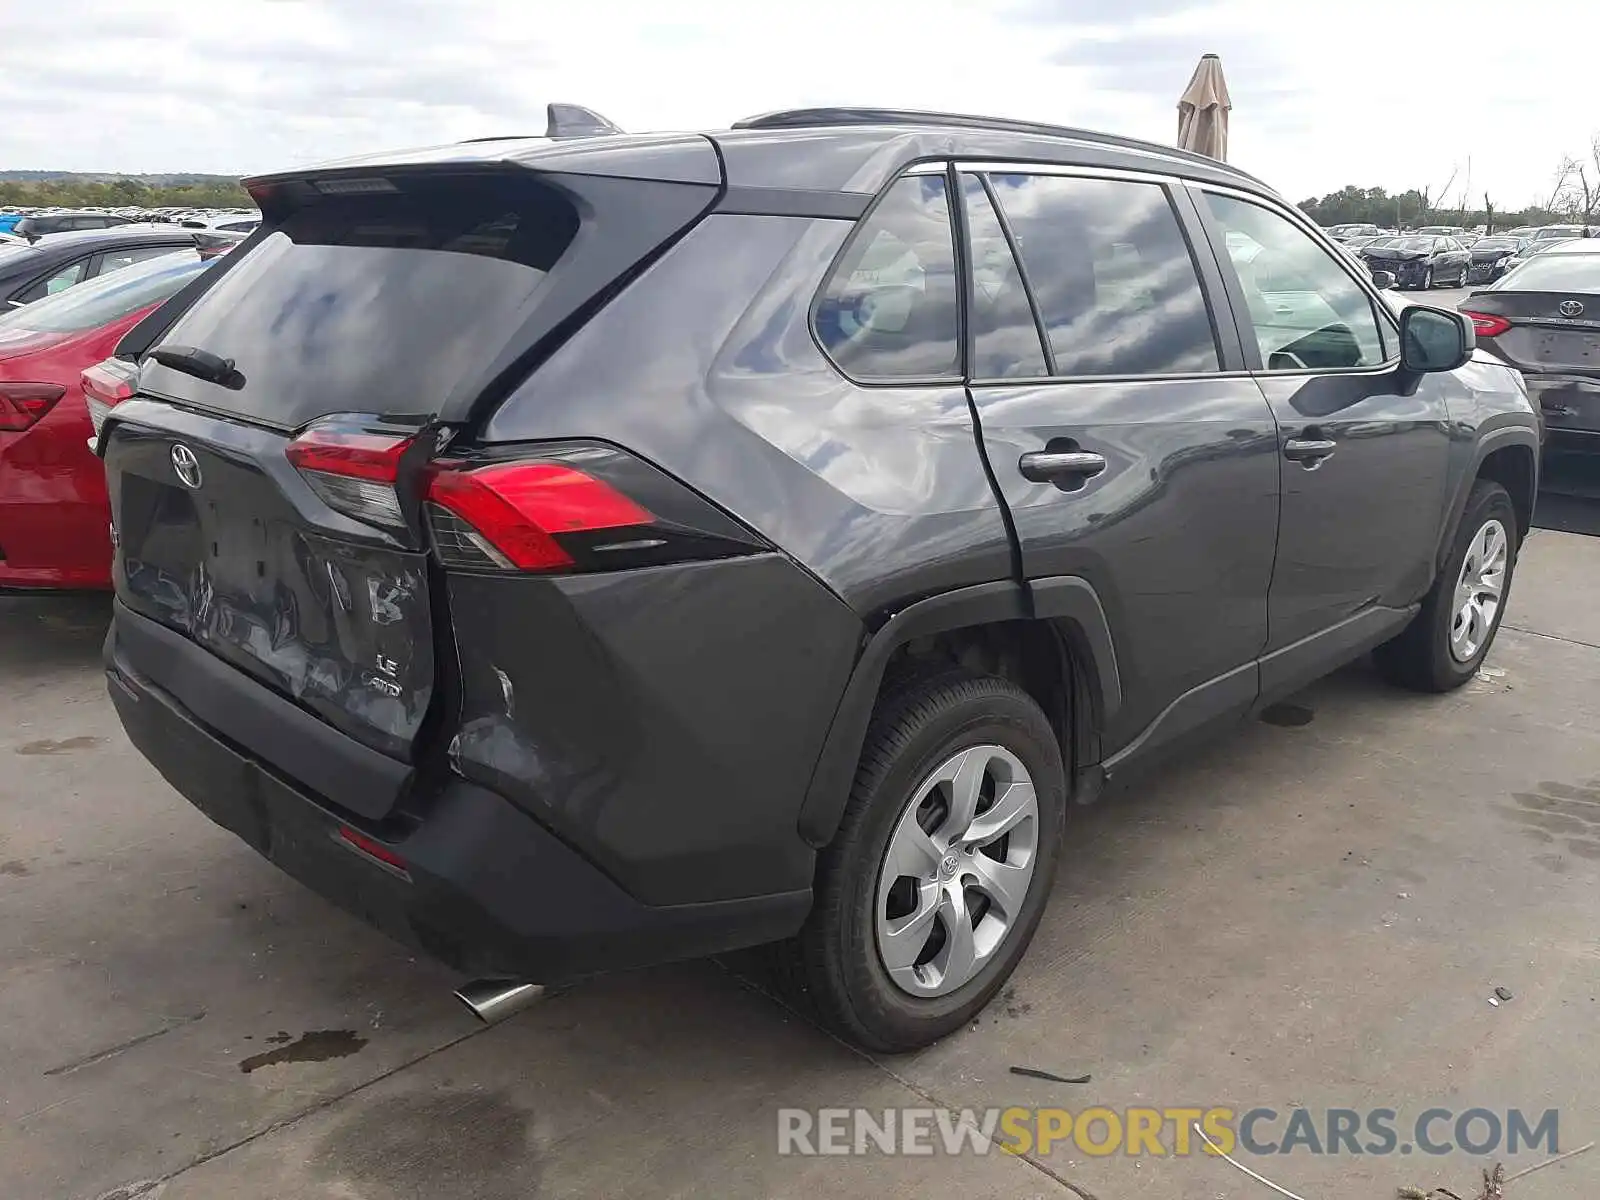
186	465
1572	308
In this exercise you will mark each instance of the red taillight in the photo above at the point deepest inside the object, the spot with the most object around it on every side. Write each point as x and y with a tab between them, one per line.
373	849
1487	324
106	385
352	471
355	455
504	515
110	381
21	404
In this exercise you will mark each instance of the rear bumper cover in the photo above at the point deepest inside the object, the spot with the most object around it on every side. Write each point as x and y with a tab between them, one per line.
486	889
1569	405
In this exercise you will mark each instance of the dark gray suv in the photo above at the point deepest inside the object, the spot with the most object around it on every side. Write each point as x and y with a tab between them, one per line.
581	552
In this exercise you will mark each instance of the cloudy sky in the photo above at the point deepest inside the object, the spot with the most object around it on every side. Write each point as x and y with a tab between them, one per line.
238	86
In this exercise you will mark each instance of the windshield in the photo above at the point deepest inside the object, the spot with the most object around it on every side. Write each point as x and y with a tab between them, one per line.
1410	243
1555	273
103	300
1557	233
1497	243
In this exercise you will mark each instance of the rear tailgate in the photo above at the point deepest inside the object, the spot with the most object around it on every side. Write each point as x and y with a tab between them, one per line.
254	519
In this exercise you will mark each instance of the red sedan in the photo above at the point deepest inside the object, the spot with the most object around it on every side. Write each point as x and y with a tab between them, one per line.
54	515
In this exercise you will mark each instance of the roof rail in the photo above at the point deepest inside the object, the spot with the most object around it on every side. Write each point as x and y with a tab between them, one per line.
804	118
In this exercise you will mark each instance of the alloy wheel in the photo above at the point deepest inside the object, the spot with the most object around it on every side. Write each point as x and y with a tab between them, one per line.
957	870
1479	590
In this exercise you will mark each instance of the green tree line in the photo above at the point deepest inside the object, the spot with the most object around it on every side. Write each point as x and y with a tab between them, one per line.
118	193
1412	208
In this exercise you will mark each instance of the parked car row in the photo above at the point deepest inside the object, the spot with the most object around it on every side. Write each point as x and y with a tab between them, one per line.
578	553
34	223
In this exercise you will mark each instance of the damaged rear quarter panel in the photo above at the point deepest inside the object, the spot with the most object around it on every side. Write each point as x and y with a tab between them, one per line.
663	721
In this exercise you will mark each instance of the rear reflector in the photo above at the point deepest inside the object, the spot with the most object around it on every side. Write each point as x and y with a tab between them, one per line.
21	404
503	516
373	849
1487	324
354	473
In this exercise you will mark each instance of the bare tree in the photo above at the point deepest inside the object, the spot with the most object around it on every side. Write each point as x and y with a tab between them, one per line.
1488	215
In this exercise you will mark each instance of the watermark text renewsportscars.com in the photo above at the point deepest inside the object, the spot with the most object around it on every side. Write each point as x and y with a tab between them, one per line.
1099	1131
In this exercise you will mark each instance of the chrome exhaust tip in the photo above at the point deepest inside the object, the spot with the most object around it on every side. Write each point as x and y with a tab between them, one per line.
492	1000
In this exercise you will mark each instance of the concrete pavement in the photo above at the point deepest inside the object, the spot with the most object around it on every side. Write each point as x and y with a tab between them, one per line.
1307	913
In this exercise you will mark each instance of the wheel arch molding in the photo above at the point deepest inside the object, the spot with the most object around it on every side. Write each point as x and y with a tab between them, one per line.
1067	603
1487	457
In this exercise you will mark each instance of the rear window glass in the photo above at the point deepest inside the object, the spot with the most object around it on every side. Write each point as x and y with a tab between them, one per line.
1555	273
381	303
109	297
890	309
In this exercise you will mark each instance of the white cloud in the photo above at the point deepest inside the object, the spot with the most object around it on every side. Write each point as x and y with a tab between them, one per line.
1366	92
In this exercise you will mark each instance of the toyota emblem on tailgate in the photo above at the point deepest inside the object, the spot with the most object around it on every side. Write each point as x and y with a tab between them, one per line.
1572	308
186	465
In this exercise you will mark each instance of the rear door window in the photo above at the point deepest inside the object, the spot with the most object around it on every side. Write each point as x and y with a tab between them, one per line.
1005	335
115	260
380	302
1111	274
108	297
58	280
889	309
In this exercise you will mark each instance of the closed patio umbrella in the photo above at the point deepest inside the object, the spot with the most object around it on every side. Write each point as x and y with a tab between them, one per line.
1203	111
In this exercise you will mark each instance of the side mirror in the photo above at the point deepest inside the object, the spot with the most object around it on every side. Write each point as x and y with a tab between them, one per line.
1383	280
1434	339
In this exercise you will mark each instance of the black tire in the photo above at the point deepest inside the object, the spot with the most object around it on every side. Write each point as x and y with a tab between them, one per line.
832	966
1420	658
1427	280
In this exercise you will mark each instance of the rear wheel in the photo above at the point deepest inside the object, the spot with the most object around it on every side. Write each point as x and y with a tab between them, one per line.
1448	639
932	888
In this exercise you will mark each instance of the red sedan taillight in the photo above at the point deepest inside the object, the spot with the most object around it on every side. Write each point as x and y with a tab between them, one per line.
21	404
1487	324
106	385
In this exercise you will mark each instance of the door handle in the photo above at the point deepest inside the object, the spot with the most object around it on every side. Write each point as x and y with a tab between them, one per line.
1054	466
1308	451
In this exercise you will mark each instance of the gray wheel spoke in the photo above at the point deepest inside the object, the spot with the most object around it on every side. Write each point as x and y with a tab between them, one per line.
959	958
1005	884
912	851
965	783
1016	803
902	940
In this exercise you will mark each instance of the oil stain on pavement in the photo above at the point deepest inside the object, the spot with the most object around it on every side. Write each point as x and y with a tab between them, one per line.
63	746
476	1143
1287	715
1560	811
319	1045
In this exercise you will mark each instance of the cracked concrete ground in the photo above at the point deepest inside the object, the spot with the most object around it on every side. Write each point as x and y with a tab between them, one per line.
1303	914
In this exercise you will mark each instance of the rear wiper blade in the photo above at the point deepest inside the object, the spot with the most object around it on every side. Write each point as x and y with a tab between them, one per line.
202	364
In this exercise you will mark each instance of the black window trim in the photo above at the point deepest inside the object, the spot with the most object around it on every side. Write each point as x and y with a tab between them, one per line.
1230	352
51	272
940	166
1384	317
1047	352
